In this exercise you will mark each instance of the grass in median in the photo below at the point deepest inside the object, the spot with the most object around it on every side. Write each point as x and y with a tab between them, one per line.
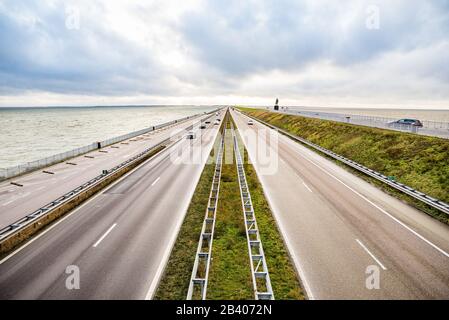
421	162
175	281
283	276
230	271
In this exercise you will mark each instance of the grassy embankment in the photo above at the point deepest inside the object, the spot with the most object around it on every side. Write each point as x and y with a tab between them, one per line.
421	162
229	276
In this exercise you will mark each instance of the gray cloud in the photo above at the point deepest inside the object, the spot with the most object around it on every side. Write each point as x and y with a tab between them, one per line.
226	35
39	52
225	48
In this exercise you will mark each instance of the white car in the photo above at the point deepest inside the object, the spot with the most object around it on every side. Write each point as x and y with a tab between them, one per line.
216	123
250	122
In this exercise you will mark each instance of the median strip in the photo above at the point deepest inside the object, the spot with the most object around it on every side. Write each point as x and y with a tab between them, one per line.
259	269
200	272
285	280
175	281
230	272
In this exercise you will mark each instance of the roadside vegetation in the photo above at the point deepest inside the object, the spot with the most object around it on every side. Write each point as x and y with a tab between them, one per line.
230	273
175	280
283	276
421	162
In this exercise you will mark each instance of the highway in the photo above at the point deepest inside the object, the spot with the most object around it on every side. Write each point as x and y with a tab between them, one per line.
39	188
120	239
336	225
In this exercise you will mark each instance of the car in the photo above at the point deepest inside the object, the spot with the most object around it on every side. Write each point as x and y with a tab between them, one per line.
207	122
250	122
407	122
203	126
216	123
191	135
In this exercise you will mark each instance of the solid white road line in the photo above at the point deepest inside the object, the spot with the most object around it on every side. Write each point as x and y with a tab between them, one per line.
155	181
307	187
275	210
372	255
68	215
378	207
163	262
104	235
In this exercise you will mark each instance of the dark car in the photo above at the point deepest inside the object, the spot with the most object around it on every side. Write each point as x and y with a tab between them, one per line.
407	122
191	135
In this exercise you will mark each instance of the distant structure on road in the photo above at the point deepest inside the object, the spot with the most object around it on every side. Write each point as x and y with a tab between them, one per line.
276	105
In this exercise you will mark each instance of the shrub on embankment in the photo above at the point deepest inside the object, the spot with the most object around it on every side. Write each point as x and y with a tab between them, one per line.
421	162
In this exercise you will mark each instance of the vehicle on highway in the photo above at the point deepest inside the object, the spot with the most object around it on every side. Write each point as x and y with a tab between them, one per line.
250	122
407	122
207	122
191	135
217	122
203	126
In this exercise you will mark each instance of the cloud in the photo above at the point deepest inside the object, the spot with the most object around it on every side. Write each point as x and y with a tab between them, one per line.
39	52
241	37
209	50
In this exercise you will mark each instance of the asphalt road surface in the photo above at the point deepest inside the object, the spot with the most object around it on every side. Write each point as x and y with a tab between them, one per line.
40	188
120	239
337	226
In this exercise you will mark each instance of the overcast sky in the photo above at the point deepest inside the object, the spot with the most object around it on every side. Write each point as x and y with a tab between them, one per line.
392	53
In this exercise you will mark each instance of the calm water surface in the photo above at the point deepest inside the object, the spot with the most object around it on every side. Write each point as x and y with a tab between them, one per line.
28	134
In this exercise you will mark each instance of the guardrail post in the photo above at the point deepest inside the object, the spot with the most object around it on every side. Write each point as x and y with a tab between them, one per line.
200	273
258	263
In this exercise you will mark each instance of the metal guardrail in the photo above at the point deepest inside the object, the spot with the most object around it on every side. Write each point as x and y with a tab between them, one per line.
10	172
32	217
430	128
259	269
349	117
200	272
434	203
20	224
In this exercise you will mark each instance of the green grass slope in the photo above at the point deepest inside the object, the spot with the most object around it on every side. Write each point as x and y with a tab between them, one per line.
421	162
